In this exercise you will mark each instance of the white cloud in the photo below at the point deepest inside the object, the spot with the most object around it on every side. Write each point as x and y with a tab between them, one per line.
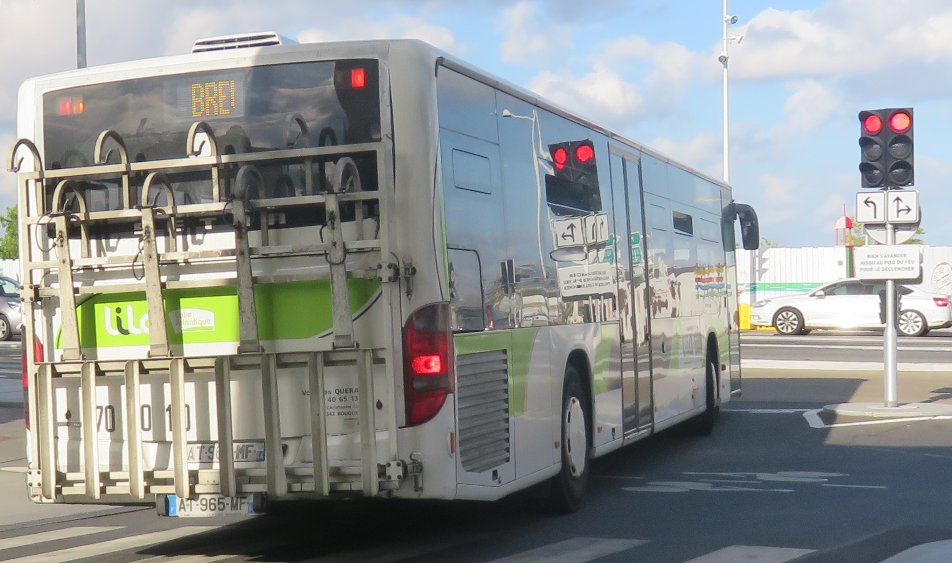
811	105
397	27
703	152
601	94
843	37
529	38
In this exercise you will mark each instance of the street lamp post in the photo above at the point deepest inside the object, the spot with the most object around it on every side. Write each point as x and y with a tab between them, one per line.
81	33
724	59
538	151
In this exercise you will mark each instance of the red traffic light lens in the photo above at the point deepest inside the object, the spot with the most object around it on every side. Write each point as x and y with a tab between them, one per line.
584	153
872	124
900	122
560	157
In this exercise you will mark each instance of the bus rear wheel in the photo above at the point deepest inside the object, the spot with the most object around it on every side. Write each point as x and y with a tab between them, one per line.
704	422
570	484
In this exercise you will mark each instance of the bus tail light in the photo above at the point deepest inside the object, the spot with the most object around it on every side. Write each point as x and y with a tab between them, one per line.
427	362
37	358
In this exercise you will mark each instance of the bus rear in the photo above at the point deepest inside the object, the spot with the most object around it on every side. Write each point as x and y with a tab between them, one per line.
211	287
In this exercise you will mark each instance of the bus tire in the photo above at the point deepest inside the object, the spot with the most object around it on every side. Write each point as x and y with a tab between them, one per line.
569	486
704	422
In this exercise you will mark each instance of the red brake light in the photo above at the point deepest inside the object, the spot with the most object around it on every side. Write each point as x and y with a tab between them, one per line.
873	124
37	358
428	361
941	301
427	365
358	77
584	153
560	157
900	122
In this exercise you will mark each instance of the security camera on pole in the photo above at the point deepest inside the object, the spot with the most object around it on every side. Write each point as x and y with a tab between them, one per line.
890	216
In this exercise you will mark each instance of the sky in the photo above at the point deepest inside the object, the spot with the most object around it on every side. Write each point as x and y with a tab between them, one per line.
648	69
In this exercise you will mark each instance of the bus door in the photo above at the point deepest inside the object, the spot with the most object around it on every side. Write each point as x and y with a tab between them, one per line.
632	290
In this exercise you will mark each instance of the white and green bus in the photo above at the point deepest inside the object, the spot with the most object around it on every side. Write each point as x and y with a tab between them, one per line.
267	271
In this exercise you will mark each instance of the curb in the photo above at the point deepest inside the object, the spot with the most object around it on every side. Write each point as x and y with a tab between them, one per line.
879	410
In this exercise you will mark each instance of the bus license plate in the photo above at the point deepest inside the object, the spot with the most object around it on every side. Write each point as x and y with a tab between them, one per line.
208	505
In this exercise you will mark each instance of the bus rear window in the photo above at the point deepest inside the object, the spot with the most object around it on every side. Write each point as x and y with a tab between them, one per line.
249	110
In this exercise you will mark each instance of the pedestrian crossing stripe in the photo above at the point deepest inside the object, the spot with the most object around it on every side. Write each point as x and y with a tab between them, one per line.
109	546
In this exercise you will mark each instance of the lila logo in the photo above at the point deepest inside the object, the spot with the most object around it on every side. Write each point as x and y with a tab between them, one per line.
121	322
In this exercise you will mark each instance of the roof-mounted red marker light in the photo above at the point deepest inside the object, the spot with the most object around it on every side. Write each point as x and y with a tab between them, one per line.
358	78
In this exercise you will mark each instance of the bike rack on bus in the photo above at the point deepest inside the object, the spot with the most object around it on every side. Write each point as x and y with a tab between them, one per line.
49	275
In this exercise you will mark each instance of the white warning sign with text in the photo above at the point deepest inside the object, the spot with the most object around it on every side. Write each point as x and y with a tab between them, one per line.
592	279
880	262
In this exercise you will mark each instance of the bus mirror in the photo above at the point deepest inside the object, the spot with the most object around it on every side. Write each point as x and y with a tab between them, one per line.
749	226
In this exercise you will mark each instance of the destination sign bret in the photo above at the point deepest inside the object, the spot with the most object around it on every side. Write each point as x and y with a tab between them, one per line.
880	262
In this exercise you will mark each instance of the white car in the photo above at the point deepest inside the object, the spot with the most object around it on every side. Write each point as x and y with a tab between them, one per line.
852	304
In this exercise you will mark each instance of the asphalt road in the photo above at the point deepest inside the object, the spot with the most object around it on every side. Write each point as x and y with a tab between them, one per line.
844	350
781	479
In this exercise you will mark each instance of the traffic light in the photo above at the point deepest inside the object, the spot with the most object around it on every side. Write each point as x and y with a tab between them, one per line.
575	161
574	179
886	148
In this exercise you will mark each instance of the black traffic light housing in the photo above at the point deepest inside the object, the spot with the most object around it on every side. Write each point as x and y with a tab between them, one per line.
886	148
574	179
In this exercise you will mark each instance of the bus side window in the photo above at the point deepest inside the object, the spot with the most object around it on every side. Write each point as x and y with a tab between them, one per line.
466	291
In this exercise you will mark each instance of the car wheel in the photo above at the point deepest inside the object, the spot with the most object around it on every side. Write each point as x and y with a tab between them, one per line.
911	323
570	484
5	332
788	321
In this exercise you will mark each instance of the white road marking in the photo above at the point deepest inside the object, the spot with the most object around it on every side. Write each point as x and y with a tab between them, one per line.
111	546
187	558
53	535
813	418
13	469
855	486
751	554
767	411
687	486
575	550
781	476
840	366
845	347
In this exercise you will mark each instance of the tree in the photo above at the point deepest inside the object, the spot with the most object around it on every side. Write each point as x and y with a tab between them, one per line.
9	240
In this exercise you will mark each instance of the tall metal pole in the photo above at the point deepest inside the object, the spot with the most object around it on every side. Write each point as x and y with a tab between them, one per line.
724	58
81	33
889	337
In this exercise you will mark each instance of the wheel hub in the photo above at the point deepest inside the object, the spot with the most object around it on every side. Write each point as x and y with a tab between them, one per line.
575	437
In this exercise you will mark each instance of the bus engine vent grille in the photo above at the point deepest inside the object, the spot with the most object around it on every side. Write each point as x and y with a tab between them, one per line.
262	39
483	395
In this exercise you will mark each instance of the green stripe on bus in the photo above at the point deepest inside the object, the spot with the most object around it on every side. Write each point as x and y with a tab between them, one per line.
285	311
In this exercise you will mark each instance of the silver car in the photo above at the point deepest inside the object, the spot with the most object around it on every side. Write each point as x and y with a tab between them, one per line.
11	321
852	304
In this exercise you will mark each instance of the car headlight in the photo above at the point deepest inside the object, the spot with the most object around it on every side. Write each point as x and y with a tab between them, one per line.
14	304
762	303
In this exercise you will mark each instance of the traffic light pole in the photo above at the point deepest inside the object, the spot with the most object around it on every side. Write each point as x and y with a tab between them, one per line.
889	336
